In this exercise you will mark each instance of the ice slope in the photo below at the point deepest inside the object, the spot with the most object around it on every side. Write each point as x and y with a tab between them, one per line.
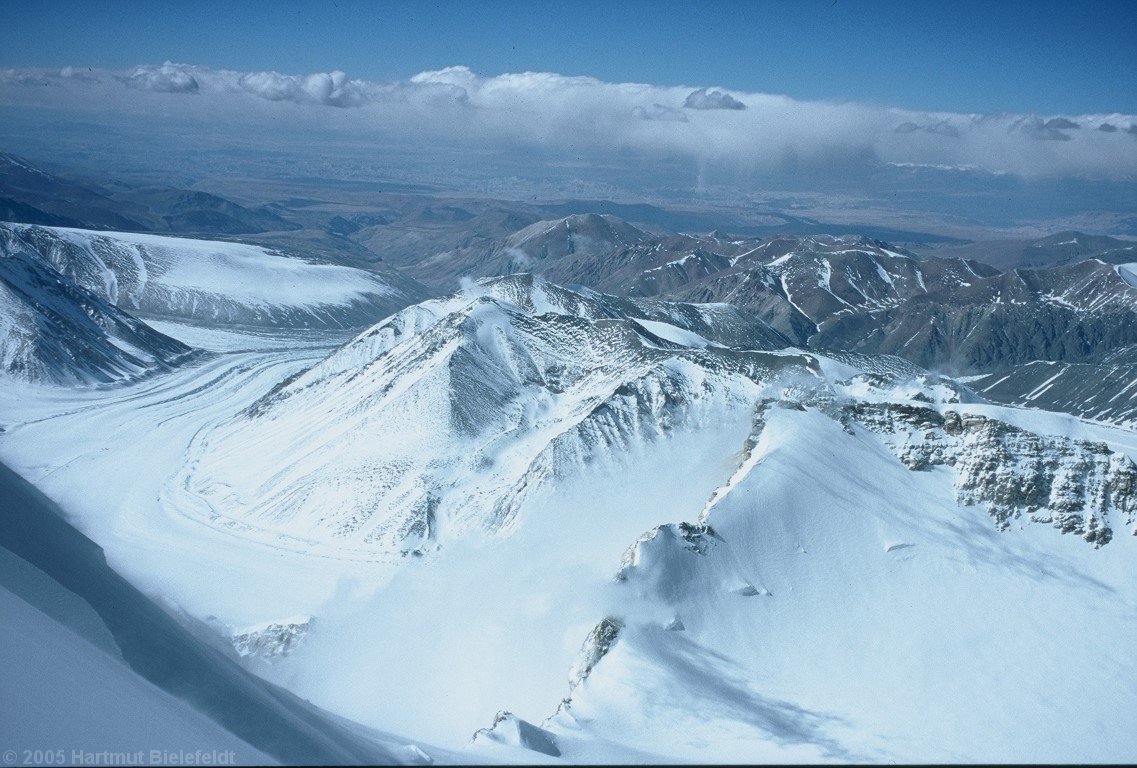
478	401
212	282
92	664
54	331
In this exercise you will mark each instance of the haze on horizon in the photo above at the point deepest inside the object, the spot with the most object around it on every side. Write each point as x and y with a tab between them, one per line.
976	116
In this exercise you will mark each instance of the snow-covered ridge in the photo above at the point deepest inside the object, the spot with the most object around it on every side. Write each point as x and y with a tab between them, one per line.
515	385
211	282
480	399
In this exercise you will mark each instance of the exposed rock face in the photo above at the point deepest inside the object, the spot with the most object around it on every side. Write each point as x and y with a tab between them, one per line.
691	537
272	640
596	646
599	641
1076	486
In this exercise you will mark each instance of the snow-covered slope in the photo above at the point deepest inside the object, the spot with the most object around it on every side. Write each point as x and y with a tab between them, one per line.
96	666
589	235
54	331
73	693
208	282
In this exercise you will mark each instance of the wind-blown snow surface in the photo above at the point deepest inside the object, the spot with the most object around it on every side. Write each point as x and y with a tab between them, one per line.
823	575
211	282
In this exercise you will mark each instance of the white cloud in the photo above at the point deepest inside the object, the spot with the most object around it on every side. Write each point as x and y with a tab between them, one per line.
328	88
456	107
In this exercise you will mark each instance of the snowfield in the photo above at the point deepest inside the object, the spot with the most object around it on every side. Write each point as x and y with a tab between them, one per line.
631	533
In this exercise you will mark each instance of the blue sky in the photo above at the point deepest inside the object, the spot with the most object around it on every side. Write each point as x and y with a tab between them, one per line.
960	56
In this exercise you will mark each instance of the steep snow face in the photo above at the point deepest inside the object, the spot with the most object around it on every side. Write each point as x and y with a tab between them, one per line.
72	693
212	282
54	331
442	420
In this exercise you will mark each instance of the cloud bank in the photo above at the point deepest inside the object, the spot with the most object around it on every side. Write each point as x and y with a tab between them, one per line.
456	107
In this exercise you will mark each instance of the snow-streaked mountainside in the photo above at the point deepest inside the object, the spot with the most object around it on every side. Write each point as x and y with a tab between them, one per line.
855	293
1105	391
533	523
54	331
1059	249
586	235
210	282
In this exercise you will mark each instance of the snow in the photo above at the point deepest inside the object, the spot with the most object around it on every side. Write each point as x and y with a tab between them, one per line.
101	667
840	587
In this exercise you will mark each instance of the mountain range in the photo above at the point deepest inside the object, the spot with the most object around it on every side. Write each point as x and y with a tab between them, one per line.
468	482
